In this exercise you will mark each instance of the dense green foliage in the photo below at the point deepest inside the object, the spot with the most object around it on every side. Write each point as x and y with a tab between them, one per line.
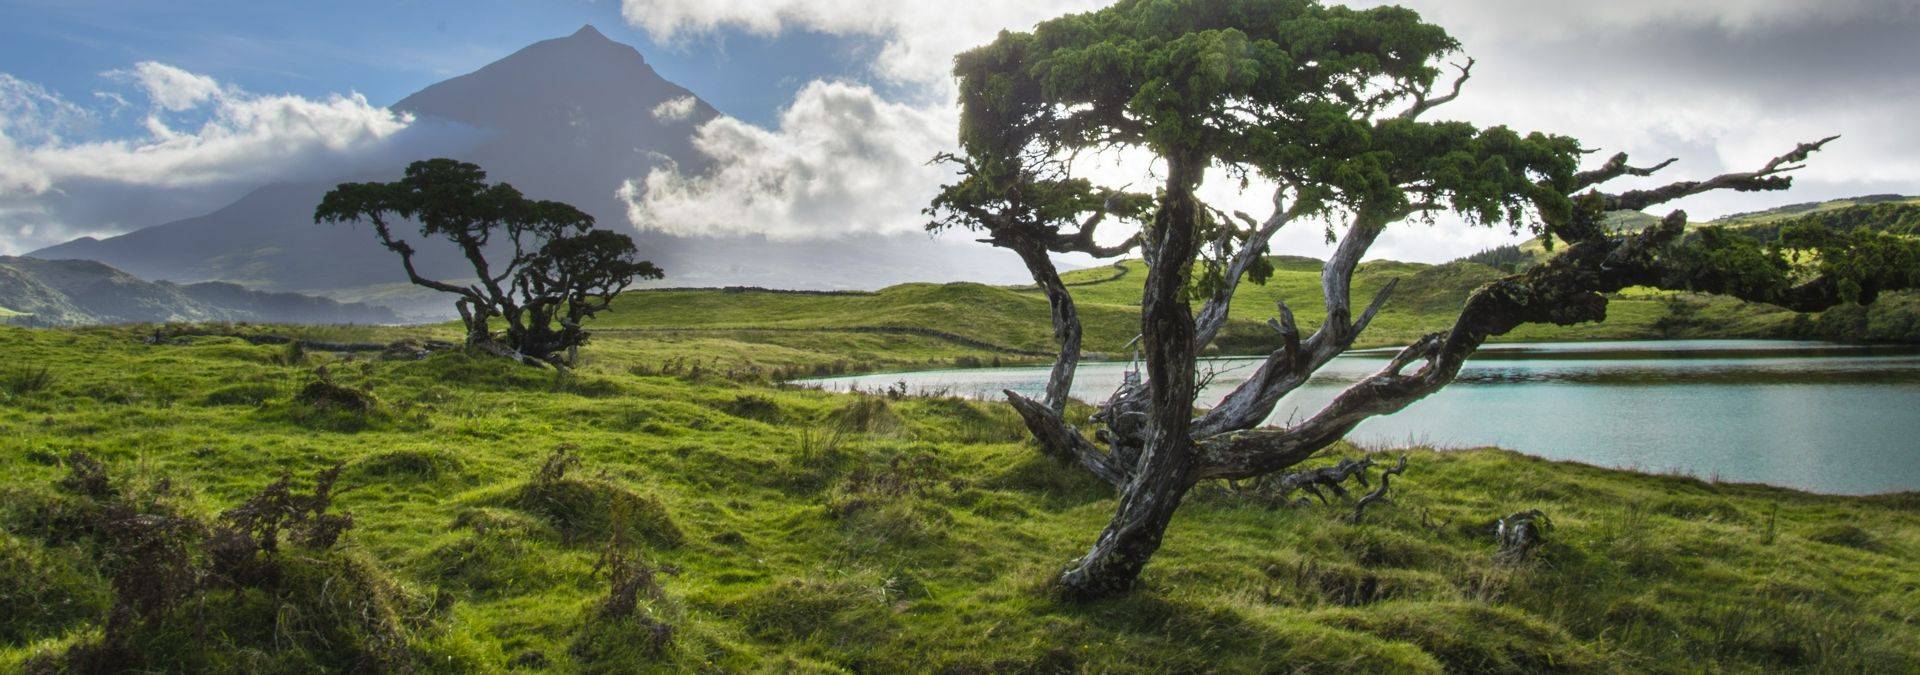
796	530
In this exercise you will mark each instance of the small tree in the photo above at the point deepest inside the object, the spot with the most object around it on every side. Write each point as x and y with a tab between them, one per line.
1327	103
561	272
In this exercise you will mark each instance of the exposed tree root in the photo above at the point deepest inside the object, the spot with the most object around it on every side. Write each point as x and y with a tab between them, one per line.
1379	494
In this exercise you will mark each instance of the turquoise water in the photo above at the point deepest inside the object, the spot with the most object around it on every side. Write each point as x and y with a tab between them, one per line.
1814	416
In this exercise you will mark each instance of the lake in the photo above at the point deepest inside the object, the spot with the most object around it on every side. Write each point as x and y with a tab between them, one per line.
1822	417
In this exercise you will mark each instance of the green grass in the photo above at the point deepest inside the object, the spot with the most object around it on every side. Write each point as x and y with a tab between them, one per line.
798	530
971	323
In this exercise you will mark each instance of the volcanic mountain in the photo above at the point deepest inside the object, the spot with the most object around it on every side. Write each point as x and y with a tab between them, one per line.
568	119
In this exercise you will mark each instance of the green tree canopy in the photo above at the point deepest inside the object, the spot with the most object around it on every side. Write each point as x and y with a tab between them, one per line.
560	271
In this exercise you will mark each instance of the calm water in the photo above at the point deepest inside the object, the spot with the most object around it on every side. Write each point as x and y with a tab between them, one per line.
1814	416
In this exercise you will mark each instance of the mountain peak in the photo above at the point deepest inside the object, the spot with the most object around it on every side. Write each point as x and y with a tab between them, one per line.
588	32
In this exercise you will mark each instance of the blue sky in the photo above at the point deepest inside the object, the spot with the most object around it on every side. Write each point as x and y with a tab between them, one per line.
386	50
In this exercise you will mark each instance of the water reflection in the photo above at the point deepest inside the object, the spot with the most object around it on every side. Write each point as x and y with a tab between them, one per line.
1823	417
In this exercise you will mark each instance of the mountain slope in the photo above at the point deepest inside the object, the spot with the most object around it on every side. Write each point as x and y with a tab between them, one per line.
570	119
79	292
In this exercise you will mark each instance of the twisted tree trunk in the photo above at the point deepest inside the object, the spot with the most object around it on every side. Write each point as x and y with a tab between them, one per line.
1066	324
1165	471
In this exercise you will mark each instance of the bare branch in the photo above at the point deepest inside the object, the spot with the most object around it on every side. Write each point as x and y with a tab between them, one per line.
1615	168
1564	291
1060	440
1422	104
1769	177
1379	300
1082	241
1213	316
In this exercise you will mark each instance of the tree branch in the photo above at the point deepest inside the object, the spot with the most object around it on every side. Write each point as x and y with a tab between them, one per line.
1422	104
1564	291
1615	168
1061	441
1769	177
1213	316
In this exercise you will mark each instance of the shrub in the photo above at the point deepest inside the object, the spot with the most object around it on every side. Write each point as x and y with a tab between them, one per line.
629	626
263	587
44	592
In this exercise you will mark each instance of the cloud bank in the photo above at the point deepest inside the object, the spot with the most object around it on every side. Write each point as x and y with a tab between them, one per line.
1720	84
197	136
842	161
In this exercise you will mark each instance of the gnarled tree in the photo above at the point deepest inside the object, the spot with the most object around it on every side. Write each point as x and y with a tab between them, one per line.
560	273
1328	104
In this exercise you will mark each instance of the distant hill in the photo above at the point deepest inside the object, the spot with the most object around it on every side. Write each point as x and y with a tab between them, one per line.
1014	321
1816	208
80	292
1891	213
1894	318
567	119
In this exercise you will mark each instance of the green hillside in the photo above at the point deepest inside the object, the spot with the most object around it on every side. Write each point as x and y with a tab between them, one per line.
976	320
800	531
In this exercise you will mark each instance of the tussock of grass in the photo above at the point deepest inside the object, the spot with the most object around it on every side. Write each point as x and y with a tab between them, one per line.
590	510
244	394
844	613
489	563
407	466
1843	534
755	407
868	415
1474	638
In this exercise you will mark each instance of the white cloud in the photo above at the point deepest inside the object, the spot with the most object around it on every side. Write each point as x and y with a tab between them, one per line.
675	110
32	113
1533	20
1720	84
921	37
843	160
170	88
238	138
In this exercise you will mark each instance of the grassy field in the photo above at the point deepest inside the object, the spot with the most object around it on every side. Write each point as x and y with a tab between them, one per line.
975	321
799	531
